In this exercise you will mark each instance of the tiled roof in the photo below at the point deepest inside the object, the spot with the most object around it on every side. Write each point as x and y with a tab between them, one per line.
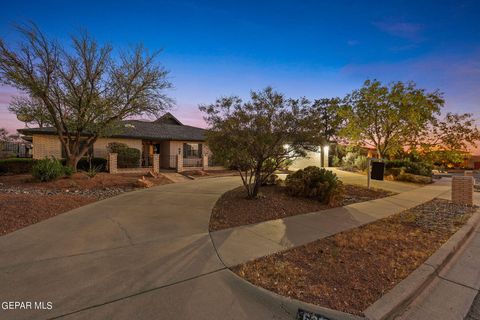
143	130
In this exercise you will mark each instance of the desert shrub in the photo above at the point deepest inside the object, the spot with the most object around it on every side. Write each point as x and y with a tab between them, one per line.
126	157
67	171
271	180
16	165
349	159
314	182
416	168
47	169
92	171
99	163
361	163
336	161
395	172
414	178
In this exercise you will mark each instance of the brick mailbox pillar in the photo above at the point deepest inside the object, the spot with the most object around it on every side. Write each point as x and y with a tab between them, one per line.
156	163
112	163
179	163
205	162
462	190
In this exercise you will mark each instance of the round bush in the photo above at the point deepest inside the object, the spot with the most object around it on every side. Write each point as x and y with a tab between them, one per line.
314	182
47	169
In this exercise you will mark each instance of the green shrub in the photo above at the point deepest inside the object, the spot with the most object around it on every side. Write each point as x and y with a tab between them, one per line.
47	169
395	172
67	171
16	165
414	178
417	168
314	182
349	159
336	161
361	163
126	157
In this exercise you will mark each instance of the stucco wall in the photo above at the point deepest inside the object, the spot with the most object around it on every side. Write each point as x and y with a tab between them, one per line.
100	146
46	146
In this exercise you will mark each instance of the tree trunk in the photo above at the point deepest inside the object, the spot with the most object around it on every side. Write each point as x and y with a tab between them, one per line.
72	162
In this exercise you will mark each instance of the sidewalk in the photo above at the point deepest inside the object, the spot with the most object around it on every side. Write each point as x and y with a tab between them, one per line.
245	243
450	295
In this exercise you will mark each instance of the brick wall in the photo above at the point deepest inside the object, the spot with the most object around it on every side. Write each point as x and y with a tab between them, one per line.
46	146
462	190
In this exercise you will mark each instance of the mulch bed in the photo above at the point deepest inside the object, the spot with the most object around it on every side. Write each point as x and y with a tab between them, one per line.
233	209
24	201
20	210
351	270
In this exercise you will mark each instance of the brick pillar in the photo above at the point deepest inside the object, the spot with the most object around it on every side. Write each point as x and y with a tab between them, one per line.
179	163
112	163
468	173
156	163
205	161
462	190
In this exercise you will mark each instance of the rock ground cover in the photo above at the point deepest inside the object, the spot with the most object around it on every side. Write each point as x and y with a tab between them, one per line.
233	209
351	270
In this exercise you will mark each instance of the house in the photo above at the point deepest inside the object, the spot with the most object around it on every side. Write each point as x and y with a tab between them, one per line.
166	136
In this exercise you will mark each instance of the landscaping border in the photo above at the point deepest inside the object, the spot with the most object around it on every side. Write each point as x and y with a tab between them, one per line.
396	300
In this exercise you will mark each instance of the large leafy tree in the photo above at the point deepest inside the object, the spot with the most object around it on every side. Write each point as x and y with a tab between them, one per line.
386	117
448	139
258	136
83	90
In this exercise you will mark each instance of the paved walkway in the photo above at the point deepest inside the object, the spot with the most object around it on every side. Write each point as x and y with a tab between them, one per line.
241	244
148	255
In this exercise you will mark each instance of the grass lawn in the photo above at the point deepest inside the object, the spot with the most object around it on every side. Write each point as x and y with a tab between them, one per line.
24	201
233	209
351	270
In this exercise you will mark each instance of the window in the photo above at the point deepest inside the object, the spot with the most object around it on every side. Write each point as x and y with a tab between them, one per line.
192	150
82	144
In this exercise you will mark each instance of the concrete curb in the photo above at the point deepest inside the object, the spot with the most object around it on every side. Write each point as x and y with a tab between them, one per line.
393	302
284	306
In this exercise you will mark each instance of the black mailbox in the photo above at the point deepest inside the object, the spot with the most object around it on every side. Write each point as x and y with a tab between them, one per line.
378	169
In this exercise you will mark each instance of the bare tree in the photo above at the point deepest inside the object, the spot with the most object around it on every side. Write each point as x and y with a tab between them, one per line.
84	89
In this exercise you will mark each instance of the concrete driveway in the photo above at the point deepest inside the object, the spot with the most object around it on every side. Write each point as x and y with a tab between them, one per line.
142	255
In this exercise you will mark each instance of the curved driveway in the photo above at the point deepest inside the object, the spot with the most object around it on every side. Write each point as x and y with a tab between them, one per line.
142	255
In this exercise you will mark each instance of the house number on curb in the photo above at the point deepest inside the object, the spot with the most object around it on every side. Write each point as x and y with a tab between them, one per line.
305	315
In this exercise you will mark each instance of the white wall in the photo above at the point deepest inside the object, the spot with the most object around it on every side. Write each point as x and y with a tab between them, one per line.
312	159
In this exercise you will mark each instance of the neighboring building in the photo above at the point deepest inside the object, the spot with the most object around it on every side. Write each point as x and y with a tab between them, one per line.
166	136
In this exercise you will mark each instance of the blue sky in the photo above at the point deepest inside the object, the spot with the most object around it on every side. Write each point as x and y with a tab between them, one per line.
302	48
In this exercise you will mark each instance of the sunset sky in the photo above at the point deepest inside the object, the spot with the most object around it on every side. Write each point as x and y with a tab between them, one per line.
302	48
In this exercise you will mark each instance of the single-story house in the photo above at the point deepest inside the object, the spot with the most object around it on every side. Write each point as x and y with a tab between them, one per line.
166	136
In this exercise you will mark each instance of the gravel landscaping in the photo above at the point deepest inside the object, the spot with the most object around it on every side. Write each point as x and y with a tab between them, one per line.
351	270
24	201
233	209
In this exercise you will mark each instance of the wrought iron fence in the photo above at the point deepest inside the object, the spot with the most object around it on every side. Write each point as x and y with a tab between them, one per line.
15	149
192	162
